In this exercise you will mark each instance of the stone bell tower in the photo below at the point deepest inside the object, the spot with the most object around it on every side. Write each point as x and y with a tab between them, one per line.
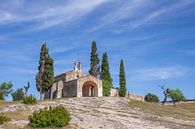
78	67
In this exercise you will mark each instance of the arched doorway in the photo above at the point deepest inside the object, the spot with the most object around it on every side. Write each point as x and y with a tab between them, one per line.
89	89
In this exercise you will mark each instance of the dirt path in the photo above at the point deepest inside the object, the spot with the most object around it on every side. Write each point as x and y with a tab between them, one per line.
103	113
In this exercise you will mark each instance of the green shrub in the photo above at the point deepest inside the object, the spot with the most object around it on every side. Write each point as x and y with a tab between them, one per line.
3	119
151	98
52	117
1	96
29	100
18	94
176	95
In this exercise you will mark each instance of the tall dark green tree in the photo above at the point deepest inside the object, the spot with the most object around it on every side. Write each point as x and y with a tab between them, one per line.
48	74
45	75
122	80
94	65
105	75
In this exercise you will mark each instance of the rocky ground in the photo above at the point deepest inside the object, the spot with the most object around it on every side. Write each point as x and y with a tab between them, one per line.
98	113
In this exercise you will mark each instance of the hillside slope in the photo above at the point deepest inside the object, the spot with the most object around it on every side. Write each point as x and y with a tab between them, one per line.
107	113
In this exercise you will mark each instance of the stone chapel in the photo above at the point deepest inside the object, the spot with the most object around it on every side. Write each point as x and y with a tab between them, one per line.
75	83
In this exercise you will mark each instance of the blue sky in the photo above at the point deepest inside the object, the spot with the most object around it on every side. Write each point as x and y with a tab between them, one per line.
155	39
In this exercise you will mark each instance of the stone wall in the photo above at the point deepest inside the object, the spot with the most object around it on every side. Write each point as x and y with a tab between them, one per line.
135	97
70	89
56	89
72	75
53	91
114	92
59	89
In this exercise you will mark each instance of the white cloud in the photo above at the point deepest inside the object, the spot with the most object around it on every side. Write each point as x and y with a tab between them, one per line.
162	73
189	52
18	70
63	49
125	10
121	10
45	16
5	17
42	15
167	10
136	13
13	56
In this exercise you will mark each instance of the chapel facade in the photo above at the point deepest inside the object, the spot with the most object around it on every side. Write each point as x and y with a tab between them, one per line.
75	83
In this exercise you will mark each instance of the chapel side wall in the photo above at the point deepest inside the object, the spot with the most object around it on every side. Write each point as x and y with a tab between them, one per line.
56	89
70	89
59	88
53	91
60	77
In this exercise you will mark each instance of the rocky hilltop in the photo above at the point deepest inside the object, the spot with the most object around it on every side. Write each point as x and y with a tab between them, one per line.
101	113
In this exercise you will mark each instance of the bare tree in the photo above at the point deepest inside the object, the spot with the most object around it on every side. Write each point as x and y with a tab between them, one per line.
166	92
26	89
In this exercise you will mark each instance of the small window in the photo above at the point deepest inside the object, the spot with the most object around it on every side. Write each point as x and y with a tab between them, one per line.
77	76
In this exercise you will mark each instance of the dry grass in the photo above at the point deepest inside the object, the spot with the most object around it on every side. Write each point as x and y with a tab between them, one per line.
70	126
11	126
23	115
19	115
181	111
5	103
186	111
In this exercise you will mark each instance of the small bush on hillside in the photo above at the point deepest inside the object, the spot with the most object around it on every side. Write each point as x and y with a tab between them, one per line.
151	98
3	119
29	100
18	94
6	88
52	117
1	96
176	95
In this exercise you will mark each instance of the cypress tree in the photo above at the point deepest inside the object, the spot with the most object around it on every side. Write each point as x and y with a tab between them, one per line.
45	75
122	80
94	65
48	74
105	75
43	56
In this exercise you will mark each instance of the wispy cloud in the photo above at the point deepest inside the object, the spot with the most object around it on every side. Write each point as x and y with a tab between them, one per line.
63	49
167	10
44	16
151	74
122	11
18	70
126	10
137	13
2	39
13	56
188	52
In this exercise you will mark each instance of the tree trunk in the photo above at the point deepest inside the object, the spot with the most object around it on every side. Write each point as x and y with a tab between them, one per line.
26	94
165	99
42	95
174	103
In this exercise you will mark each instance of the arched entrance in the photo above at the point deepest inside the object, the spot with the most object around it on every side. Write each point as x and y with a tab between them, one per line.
89	89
